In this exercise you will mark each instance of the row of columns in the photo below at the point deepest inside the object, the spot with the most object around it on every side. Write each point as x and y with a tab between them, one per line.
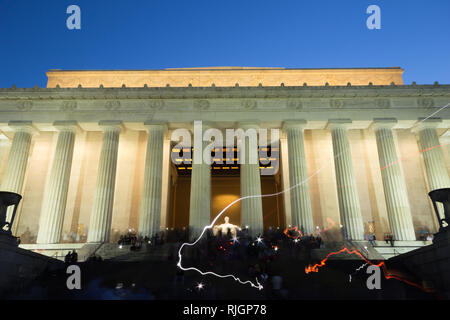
200	199
397	203
398	209
54	204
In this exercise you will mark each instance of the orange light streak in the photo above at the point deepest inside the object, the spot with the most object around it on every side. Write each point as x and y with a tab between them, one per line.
398	160
390	164
388	274
300	234
424	150
296	229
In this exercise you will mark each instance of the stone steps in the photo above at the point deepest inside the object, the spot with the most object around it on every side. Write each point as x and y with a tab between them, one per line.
104	250
362	246
380	251
148	253
400	247
57	250
111	250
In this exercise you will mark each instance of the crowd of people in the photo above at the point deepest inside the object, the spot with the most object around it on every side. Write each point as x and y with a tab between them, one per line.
167	236
71	257
130	239
257	258
221	252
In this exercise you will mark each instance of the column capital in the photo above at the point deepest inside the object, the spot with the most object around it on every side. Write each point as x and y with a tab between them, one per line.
23	126
424	123
384	123
295	124
338	123
68	125
111	125
152	125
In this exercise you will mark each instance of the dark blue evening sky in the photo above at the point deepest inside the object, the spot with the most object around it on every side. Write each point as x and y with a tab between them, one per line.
156	34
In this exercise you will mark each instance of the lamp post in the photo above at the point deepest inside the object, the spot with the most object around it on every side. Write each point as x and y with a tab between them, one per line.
442	196
8	199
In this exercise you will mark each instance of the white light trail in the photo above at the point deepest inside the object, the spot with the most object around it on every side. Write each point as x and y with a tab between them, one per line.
257	285
434	113
362	266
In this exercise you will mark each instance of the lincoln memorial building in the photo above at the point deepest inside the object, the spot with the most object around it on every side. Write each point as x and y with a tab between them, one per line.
93	154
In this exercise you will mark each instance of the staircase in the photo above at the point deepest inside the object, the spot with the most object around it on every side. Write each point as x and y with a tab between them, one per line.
112	250
150	253
57	250
381	250
400	247
364	247
105	250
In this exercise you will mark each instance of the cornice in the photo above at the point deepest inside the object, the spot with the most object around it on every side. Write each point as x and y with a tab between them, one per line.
225	92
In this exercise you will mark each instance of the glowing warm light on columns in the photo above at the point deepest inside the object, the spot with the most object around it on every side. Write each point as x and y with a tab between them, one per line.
149	220
433	158
397	203
251	208
54	207
16	167
101	216
300	198
200	201
349	206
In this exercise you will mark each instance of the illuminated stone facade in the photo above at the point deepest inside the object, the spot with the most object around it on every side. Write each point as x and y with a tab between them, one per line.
78	150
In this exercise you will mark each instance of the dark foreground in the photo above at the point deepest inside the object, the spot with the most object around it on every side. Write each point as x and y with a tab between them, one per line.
156	280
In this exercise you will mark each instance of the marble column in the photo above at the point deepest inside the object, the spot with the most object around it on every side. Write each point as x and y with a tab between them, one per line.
101	216
349	206
298	177
149	220
433	157
445	142
397	203
55	197
431	149
200	198
16	166
251	208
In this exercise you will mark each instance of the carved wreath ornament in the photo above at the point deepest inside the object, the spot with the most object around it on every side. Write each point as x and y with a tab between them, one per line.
295	104
201	104
249	104
112	105
69	106
25	106
156	104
